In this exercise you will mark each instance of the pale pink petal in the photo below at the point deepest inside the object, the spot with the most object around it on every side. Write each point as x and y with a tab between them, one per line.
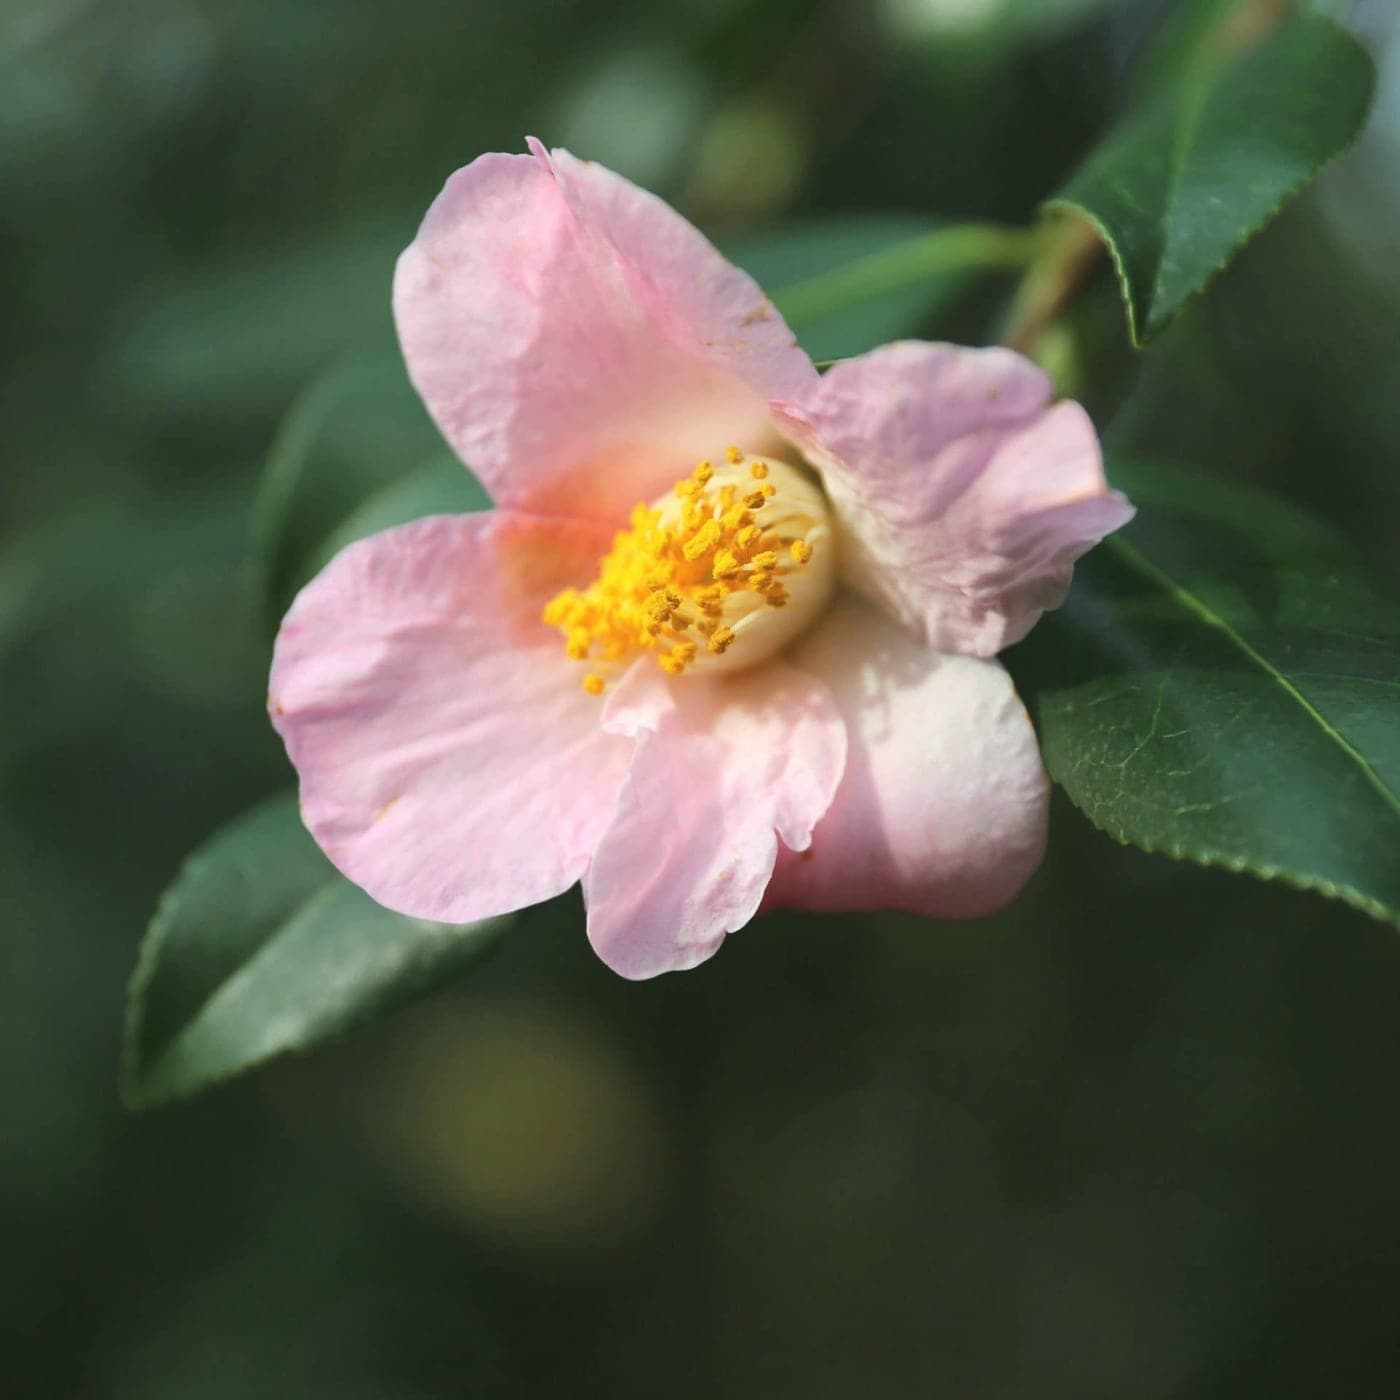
578	342
724	771
964	495
942	808
450	764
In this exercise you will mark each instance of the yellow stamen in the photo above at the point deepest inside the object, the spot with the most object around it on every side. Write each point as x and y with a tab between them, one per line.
693	565
726	564
703	540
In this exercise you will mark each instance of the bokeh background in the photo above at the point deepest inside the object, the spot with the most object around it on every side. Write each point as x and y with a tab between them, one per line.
1136	1137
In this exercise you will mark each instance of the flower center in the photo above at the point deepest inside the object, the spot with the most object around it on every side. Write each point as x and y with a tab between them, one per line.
720	573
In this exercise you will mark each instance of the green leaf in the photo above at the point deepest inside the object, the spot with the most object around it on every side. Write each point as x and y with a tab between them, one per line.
260	948
1193	175
1223	686
356	453
848	284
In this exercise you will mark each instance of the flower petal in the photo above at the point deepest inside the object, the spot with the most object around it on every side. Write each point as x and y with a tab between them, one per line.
724	770
942	808
450	764
578	342
964	496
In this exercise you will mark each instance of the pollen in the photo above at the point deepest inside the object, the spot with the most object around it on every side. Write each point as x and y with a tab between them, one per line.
721	572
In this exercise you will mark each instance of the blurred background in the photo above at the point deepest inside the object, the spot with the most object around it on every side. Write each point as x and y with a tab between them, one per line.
1136	1137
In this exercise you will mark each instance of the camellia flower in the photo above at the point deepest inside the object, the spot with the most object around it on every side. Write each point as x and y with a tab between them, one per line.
725	641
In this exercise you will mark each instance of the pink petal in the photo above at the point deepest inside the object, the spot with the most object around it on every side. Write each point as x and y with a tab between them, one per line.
580	345
942	808
964	496
450	764
724	770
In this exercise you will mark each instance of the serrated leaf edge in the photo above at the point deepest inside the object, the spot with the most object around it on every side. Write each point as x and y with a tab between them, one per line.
1141	336
1213	859
1239	865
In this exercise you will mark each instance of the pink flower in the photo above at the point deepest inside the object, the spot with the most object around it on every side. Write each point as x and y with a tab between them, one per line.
725	640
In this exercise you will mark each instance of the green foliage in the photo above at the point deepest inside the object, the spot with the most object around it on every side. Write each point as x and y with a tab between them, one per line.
1222	687
260	948
848	284
1150	1102
1216	689
1211	157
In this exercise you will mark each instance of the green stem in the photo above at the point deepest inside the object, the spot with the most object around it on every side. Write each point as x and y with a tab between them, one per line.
1070	249
963	246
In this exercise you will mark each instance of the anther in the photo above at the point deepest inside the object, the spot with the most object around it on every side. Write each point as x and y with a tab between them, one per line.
659	606
726	564
703	541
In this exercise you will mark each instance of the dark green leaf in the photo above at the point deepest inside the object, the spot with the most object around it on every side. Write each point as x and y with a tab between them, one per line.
260	948
1213	156
357	435
1223	686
